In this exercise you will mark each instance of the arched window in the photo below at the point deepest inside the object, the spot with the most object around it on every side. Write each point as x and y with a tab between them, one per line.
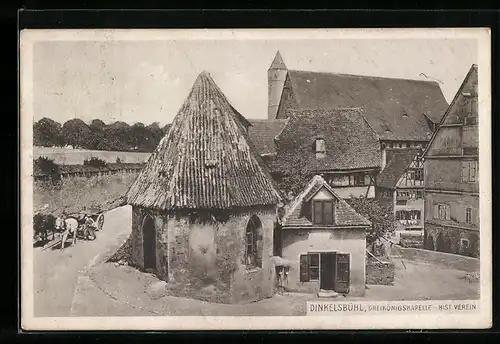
253	249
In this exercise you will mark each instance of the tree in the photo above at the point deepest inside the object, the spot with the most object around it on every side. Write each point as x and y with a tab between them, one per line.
98	139
117	136
77	133
47	133
381	217
156	132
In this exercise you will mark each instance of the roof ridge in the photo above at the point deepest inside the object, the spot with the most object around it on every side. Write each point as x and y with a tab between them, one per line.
343	110
364	76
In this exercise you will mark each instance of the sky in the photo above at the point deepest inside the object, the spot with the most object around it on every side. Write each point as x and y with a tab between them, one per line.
147	81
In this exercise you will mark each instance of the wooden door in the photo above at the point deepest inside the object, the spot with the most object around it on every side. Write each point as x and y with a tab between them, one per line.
327	270
149	243
342	276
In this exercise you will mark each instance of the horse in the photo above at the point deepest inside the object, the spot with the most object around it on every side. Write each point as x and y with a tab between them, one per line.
68	226
42	224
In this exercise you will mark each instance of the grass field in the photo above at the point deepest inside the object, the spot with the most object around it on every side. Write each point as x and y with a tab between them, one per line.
65	156
81	194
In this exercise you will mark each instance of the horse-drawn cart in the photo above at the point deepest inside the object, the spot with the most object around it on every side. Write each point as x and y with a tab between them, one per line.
79	226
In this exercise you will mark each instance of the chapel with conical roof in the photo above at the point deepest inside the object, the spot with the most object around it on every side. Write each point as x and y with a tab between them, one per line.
204	206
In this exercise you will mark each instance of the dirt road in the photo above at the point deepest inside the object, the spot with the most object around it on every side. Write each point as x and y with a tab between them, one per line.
56	272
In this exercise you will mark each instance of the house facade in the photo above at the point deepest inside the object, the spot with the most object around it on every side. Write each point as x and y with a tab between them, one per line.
324	239
400	186
402	113
204	206
451	170
337	144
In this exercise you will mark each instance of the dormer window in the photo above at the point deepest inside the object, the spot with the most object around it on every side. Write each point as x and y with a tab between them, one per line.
323	212
320	148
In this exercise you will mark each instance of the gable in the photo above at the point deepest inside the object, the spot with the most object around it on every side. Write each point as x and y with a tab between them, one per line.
323	194
463	104
300	212
447	141
287	101
458	128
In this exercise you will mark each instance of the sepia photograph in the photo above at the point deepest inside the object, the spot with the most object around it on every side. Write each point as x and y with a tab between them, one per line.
255	179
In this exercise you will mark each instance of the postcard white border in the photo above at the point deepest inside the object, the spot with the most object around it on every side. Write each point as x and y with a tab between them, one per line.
483	319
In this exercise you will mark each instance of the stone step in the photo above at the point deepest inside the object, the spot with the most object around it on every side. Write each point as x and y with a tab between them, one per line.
327	294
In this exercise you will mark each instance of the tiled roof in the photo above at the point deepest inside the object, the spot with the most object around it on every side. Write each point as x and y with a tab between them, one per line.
262	133
394	108
345	215
206	160
398	160
349	140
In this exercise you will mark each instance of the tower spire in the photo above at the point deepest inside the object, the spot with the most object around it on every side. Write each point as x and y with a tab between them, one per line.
278	62
276	76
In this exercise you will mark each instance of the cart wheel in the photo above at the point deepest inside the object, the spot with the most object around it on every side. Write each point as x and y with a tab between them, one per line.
100	222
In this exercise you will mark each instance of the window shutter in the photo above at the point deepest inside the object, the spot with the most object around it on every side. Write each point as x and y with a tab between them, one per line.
447	212
436	211
465	171
328	213
304	268
318	212
342	278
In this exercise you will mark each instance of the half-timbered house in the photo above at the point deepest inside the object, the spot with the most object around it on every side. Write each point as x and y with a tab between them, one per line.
451	175
401	186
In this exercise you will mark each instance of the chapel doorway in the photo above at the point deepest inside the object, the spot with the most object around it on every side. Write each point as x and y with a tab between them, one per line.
149	243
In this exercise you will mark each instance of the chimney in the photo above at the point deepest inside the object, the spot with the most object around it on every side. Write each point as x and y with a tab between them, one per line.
384	156
276	76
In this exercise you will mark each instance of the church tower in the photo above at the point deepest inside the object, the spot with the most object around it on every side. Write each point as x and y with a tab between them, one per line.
276	75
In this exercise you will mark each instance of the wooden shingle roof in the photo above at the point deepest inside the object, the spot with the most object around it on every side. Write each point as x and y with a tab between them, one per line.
395	108
349	140
345	215
206	159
